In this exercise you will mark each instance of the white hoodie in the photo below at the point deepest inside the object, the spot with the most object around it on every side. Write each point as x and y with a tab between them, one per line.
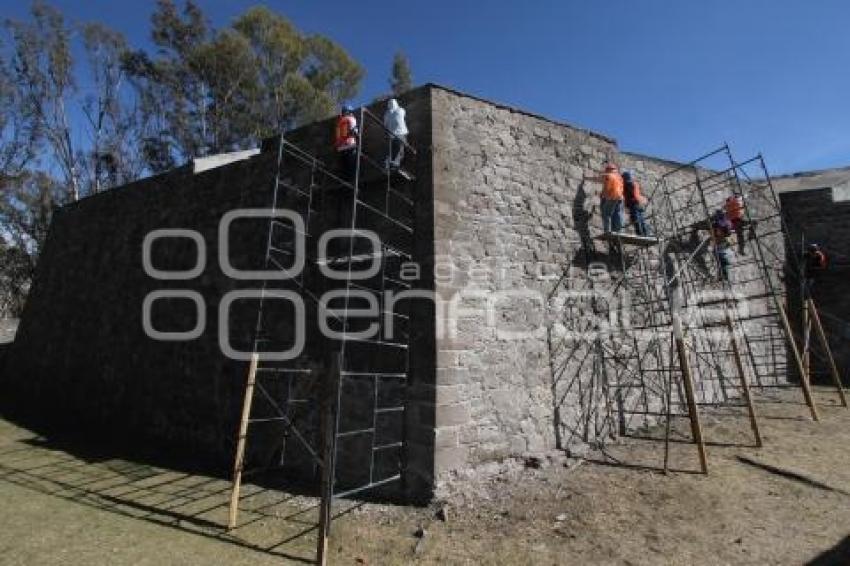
394	118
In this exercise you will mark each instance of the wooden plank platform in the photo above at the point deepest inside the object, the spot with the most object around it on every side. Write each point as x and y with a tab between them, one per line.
626	238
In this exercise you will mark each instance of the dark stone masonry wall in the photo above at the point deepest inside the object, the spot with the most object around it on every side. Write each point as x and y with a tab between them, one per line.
81	357
824	215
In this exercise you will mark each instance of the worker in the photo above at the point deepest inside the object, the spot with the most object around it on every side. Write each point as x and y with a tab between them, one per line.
721	229
635	202
815	262
734	208
345	143
610	199
395	124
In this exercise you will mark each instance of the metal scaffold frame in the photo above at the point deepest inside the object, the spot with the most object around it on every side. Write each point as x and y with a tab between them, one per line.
687	329
375	204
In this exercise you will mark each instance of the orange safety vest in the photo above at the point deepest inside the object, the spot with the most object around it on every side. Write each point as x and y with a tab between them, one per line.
635	197
612	186
345	128
734	208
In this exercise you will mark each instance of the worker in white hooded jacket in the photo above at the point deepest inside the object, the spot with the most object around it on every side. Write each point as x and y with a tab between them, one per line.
394	122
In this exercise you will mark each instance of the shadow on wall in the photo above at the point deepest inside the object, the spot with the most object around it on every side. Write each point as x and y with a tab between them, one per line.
582	215
581	220
838	555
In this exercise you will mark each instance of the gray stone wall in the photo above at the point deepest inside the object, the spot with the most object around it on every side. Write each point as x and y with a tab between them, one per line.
515	215
511	212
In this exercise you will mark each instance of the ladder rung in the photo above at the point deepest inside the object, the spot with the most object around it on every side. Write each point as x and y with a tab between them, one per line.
355	432
268	420
345	338
281	250
390	410
397	375
367	486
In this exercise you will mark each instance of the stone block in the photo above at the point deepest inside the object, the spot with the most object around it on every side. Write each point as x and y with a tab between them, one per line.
446	437
448	459
452	415
452	376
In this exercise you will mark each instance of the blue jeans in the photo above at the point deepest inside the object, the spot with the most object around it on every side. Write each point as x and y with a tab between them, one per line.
636	213
724	257
612	215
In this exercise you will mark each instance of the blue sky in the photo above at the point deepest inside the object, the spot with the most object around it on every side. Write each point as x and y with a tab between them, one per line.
664	77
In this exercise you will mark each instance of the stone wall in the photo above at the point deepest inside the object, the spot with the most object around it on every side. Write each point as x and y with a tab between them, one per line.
823	215
514	213
81	359
505	217
511	212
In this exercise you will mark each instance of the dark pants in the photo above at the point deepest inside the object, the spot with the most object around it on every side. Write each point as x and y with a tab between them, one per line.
739	231
724	258
636	214
347	164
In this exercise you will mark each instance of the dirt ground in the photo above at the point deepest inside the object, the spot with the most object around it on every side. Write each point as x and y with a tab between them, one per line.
787	503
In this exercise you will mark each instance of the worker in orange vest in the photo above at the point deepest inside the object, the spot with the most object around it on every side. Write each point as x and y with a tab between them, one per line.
345	142
734	208
611	199
635	202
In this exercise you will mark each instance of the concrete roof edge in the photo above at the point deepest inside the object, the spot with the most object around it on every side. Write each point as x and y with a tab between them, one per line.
813	172
510	108
216	160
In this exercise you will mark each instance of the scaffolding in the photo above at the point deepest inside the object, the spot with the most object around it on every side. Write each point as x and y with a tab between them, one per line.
338	407
654	328
650	331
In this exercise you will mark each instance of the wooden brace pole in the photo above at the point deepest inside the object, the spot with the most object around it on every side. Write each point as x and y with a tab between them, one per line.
807	340
693	412
836	378
328	410
745	386
239	461
804	379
